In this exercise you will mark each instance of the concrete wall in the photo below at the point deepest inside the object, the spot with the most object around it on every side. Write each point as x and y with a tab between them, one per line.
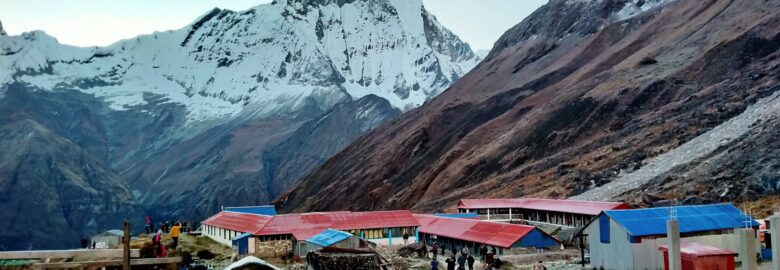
620	253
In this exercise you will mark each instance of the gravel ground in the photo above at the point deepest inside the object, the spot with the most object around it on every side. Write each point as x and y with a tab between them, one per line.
699	147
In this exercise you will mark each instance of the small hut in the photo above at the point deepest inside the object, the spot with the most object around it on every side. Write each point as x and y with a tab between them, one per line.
108	239
332	238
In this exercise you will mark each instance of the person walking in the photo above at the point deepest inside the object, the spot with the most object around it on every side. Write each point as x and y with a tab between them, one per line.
435	250
175	231
470	261
482	252
462	262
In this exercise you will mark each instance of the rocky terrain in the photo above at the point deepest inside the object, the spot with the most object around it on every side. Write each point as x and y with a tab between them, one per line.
229	110
642	101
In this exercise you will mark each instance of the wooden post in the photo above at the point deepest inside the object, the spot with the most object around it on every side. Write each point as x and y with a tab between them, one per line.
126	247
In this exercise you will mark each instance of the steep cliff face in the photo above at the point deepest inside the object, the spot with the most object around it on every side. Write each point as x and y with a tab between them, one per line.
579	95
231	109
54	192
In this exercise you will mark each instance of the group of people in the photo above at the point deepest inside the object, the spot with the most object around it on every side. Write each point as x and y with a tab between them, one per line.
166	226
174	229
463	259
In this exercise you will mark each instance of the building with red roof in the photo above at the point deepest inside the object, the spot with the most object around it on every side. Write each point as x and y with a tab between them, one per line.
565	213
226	225
380	227
457	233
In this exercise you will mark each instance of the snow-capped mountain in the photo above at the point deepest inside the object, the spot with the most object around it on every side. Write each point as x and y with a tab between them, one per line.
229	110
268	59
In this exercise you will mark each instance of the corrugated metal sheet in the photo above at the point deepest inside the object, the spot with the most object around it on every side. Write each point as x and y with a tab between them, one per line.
237	221
484	232
566	206
699	218
308	224
303	226
460	215
329	237
268	210
698	250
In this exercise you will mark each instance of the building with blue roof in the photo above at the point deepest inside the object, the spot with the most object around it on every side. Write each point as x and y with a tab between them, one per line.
458	215
266	210
331	238
629	239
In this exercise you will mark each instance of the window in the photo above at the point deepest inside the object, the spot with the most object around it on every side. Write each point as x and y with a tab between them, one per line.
604	228
374	234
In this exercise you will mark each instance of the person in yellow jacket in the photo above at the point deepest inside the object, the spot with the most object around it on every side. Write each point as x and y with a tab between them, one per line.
175	230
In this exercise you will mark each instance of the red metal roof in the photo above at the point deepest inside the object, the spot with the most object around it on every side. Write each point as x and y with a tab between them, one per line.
237	221
567	206
308	224
303	226
694	250
484	232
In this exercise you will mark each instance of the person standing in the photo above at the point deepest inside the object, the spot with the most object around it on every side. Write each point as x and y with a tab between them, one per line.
148	229
462	262
434	264
175	231
539	266
157	246
470	261
435	250
489	259
450	263
482	252
84	242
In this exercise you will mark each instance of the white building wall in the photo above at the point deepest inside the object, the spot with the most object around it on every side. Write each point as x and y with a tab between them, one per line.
621	254
617	254
220	235
397	241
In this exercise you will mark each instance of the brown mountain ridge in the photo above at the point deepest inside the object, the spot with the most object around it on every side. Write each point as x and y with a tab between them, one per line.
575	97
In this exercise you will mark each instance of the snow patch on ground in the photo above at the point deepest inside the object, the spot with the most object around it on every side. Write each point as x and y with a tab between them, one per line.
701	146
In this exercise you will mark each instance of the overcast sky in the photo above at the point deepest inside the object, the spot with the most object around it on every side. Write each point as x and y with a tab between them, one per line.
102	22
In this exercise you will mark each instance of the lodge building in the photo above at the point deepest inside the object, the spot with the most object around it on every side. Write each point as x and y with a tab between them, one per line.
563	213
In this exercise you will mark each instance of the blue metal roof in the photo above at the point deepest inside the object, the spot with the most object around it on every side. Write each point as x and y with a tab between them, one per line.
241	236
460	215
698	218
329	237
267	210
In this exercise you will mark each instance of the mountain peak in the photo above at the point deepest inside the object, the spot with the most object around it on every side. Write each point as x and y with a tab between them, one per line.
2	31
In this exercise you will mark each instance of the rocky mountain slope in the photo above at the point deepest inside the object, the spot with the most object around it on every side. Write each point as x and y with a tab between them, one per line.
603	99
229	110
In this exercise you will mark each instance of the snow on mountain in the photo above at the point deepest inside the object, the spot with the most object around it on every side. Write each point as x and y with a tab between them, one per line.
270	59
636	7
